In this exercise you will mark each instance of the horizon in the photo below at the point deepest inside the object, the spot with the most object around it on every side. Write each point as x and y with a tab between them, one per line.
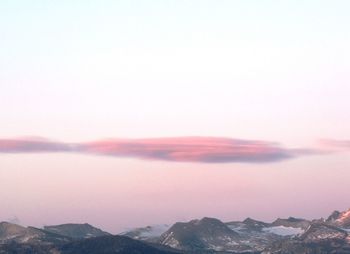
125	114
16	221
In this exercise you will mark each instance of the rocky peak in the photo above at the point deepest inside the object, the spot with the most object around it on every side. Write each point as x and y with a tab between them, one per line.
335	215
323	231
341	219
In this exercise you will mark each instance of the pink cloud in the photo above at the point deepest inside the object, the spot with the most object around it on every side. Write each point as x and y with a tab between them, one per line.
178	149
191	149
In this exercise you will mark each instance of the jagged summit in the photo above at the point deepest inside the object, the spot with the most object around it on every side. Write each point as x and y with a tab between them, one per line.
341	219
333	216
322	231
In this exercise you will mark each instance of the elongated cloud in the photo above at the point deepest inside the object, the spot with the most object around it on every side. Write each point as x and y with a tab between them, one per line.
181	149
191	149
32	146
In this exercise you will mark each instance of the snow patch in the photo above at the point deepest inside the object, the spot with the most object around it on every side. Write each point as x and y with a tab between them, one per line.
283	231
236	228
154	231
148	232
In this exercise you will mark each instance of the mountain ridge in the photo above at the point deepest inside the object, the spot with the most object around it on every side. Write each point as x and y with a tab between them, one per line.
198	236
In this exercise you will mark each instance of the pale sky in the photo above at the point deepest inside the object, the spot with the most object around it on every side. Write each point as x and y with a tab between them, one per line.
83	71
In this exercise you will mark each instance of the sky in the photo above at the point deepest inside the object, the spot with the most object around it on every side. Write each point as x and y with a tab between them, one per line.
132	113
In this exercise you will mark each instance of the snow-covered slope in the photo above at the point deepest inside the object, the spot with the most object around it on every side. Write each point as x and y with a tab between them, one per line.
149	233
283	231
323	231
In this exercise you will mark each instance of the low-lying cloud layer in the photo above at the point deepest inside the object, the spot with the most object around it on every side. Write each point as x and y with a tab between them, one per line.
181	149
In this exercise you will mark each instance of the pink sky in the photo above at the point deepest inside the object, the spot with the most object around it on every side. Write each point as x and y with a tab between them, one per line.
127	113
116	193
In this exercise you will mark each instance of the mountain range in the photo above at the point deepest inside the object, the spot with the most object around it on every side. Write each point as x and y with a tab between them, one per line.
206	235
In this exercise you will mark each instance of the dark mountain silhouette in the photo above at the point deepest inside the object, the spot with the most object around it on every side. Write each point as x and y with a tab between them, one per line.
113	245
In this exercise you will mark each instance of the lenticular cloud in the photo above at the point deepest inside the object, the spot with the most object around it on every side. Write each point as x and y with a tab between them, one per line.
177	149
190	149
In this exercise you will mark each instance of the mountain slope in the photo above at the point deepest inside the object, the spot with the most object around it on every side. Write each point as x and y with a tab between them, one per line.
256	234
76	231
205	234
291	222
14	233
9	231
341	219
112	245
25	248
319	238
208	235
149	233
323	232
